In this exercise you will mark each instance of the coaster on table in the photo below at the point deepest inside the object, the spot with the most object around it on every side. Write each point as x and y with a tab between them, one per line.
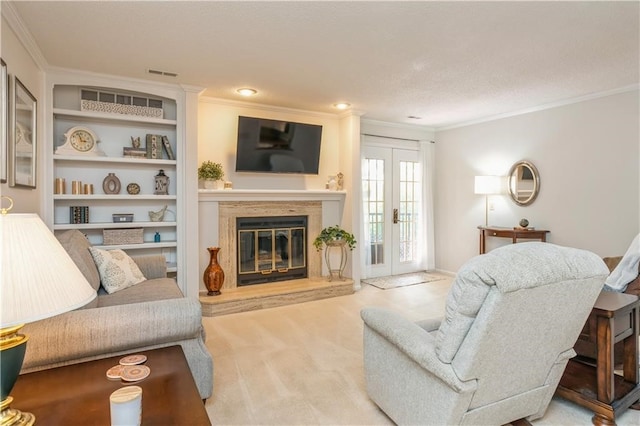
133	359
133	373
115	372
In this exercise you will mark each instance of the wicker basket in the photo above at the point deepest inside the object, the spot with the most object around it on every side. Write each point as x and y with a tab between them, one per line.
122	236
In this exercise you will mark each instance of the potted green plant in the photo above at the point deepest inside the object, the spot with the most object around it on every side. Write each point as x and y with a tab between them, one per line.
210	172
333	234
336	240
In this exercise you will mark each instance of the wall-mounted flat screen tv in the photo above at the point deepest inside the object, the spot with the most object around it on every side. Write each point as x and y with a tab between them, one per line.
274	146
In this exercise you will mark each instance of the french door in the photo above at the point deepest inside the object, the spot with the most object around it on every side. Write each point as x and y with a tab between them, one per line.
392	207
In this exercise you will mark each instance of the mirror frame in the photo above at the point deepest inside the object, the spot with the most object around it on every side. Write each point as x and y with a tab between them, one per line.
511	184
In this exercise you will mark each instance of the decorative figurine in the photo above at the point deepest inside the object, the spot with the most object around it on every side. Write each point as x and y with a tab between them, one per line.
340	184
162	183
135	142
157	216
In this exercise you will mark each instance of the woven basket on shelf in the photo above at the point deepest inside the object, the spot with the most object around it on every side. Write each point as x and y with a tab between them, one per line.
122	236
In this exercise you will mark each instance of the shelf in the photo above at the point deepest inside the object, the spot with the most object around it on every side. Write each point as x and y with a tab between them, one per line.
93	115
94	197
162	244
112	225
124	160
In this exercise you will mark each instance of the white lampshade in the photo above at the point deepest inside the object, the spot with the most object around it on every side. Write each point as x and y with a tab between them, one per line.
488	185
38	279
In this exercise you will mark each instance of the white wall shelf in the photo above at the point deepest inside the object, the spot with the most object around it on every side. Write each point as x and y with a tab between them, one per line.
112	225
104	116
162	244
114	197
123	160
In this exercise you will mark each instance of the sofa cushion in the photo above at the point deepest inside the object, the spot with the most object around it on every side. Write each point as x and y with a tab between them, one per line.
117	270
77	246
150	290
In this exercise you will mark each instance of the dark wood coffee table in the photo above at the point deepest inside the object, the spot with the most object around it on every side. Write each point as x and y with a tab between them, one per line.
79	394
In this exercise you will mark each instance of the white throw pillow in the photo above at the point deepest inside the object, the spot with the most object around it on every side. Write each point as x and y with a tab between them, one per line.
117	270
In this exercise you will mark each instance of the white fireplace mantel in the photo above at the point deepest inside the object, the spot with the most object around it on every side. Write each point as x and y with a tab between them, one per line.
270	195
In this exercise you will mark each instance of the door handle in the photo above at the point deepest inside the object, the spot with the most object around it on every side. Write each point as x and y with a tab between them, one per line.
395	215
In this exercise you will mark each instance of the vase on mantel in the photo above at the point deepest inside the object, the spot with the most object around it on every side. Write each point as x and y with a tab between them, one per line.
213	275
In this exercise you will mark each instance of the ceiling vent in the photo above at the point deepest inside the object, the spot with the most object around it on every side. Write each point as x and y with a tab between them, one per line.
164	73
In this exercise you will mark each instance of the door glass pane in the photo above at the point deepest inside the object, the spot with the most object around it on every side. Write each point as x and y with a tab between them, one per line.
409	210
373	199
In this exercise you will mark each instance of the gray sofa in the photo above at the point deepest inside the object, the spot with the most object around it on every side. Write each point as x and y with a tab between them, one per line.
149	315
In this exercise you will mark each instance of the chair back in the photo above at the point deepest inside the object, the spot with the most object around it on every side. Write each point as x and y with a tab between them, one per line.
514	312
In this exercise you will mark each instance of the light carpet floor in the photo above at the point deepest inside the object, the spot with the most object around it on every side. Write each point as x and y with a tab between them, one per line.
302	364
402	280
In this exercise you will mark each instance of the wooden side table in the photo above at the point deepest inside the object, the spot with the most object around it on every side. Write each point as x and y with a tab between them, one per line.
514	234
614	318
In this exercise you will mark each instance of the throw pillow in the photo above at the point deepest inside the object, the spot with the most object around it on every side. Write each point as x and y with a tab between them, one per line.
117	270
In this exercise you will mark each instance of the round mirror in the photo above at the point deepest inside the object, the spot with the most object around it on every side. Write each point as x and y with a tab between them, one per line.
524	183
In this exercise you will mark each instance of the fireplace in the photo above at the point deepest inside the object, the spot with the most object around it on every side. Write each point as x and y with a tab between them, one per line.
271	249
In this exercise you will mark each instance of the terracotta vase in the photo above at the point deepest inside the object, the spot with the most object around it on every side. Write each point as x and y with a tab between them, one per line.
213	275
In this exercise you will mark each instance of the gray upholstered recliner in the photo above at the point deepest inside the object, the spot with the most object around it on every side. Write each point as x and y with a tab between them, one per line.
512	318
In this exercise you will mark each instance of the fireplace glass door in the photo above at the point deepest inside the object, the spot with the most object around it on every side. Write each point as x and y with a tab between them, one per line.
269	251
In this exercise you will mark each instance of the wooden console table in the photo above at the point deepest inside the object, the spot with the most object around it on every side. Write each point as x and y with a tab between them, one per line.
514	234
593	383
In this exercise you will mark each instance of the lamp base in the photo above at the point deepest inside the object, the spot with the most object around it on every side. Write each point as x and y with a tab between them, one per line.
11	416
12	349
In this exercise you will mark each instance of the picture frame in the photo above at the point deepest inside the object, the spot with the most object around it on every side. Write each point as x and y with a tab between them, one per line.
4	121
23	170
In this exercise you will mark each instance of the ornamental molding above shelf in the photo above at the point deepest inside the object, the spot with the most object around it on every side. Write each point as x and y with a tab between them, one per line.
215	195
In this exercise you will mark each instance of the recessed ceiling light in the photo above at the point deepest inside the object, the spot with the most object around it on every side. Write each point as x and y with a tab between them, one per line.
342	105
245	91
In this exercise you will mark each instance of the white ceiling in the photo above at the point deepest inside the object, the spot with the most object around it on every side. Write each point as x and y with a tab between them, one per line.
446	62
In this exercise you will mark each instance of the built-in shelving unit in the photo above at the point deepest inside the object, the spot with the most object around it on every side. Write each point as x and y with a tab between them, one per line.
114	132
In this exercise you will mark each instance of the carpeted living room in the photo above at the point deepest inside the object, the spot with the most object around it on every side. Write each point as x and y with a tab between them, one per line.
314	212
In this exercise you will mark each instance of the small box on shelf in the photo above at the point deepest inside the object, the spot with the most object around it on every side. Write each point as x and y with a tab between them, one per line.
122	217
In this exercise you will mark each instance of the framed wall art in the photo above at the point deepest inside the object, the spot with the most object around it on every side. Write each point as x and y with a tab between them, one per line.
4	121
23	141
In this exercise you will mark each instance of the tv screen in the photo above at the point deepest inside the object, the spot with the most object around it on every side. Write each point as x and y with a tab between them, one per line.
274	146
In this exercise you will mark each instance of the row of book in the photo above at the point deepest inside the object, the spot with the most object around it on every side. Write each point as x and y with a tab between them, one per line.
79	214
157	145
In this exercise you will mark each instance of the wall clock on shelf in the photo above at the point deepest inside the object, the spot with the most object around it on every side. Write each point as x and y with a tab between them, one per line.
80	140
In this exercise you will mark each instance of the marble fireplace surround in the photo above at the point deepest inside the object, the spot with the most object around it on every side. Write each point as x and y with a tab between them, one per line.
322	208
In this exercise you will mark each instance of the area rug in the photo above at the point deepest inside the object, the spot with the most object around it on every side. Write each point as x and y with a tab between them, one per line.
403	280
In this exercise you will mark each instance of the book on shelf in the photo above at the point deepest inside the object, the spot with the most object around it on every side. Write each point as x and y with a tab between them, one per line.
167	148
154	147
131	152
78	214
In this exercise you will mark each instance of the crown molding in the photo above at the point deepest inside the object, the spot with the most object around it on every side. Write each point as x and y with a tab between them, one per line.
543	107
264	107
24	35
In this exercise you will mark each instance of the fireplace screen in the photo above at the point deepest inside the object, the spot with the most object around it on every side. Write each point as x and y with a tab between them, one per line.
271	249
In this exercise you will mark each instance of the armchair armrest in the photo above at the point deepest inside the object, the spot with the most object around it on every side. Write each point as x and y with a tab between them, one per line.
99	332
414	342
152	266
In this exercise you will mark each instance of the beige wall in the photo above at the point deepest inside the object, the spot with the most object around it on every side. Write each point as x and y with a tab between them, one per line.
588	156
217	138
21	65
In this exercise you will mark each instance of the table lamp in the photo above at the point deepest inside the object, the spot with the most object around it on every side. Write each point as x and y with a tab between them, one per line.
38	280
487	185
